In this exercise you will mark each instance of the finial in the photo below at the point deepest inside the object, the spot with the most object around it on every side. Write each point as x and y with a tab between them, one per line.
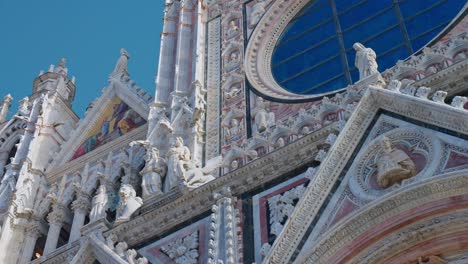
62	62
120	71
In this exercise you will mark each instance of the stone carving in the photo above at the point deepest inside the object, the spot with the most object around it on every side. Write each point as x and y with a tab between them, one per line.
177	158
393	165
159	126
128	203
321	155
23	109
365	61
439	97
281	207
7	187
196	176
431	260
459	101
233	29
120	249
394	85
262	116
153	173
257	12
423	92
99	204
120	70
183	250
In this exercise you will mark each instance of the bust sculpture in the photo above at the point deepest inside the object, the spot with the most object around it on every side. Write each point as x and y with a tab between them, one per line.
394	165
128	203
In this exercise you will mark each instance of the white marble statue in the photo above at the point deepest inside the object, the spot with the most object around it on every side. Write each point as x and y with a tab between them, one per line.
153	173
159	126
197	176
177	157
233	28
365	60
394	165
7	187
263	118
121	69
99	204
128	203
23	109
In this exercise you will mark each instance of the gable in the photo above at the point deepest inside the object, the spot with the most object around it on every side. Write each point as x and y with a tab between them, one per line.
356	136
119	102
116	120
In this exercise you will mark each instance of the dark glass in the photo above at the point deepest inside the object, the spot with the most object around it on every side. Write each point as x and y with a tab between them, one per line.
308	58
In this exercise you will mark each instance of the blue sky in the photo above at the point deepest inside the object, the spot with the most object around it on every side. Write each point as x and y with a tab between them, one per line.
89	34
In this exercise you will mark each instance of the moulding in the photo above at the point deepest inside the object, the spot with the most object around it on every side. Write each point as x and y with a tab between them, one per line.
422	110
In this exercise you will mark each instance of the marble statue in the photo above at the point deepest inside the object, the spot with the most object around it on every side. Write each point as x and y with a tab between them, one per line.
120	69
233	28
263	118
197	176
7	187
128	203
159	126
99	204
177	157
394	165
153	173
24	107
365	60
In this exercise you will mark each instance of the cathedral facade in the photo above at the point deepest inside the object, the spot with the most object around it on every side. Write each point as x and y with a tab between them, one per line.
281	131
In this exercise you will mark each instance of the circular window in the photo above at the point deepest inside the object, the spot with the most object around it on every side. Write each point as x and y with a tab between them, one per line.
314	54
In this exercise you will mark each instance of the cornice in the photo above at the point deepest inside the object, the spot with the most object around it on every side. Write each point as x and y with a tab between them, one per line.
423	110
97	154
191	204
373	215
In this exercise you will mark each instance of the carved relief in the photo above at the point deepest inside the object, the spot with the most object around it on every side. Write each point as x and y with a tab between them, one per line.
183	250
394	165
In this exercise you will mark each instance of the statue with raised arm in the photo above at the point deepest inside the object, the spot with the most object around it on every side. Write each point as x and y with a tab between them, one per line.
153	173
394	165
365	61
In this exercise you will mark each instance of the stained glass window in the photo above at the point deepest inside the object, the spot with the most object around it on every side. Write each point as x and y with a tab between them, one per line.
314	54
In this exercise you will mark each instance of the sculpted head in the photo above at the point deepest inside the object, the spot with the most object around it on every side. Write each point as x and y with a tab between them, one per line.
358	46
127	191
386	144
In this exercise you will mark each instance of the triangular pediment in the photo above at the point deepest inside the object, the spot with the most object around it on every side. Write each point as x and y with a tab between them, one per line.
118	111
421	133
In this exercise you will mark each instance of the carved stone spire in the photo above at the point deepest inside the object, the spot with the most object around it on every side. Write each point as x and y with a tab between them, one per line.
5	107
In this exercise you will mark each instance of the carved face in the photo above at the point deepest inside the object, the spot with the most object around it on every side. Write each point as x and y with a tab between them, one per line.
126	191
386	144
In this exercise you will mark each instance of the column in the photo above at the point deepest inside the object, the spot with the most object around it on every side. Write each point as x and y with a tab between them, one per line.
81	207
56	219
184	47
32	233
165	76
